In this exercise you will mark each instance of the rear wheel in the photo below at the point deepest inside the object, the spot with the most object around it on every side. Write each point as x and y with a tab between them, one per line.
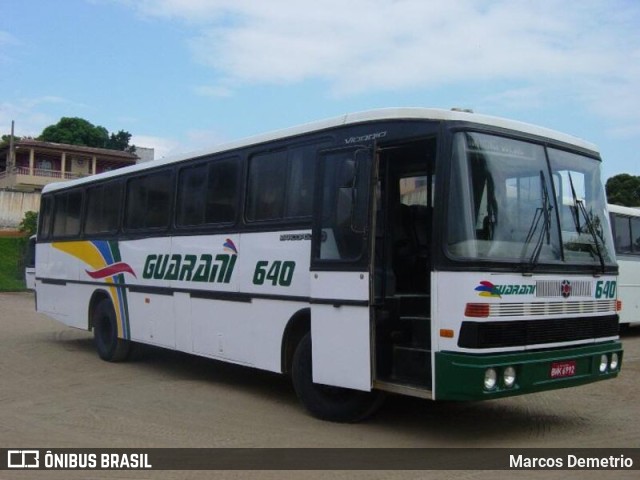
105	333
336	404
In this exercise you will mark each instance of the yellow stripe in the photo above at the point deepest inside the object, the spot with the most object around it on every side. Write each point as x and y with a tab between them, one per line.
83	250
89	254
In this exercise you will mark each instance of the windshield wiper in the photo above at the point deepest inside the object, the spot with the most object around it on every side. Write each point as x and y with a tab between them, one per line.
579	208
543	213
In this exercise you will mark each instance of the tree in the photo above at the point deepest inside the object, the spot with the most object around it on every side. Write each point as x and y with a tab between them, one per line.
120	141
29	223
6	140
78	131
624	189
75	131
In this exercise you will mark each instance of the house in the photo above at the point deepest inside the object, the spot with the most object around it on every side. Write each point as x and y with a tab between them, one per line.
35	163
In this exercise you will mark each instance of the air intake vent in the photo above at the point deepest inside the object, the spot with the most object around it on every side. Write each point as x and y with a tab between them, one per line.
563	288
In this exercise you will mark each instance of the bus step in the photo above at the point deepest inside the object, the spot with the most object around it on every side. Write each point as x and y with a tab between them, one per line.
413	304
418	331
411	366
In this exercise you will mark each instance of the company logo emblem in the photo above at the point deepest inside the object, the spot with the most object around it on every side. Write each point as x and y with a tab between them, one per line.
488	289
23	459
111	270
565	288
230	247
185	267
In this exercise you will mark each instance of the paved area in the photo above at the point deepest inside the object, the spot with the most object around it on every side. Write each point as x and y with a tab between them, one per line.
55	392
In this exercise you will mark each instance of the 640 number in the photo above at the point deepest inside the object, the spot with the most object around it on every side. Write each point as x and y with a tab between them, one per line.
605	289
277	273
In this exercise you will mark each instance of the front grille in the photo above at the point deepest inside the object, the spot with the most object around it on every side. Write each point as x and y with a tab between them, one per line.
521	333
584	307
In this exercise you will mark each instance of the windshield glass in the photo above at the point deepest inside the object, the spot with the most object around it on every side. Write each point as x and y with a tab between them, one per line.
506	205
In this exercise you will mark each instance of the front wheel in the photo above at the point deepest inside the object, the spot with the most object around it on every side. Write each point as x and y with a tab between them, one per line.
105	333
325	402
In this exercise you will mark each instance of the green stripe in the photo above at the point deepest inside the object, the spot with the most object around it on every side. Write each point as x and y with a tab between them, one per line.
460	376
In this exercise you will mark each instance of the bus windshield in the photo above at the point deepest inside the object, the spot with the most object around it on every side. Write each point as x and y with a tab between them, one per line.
515	201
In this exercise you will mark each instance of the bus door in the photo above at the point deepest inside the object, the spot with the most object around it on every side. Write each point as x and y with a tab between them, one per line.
402	263
340	277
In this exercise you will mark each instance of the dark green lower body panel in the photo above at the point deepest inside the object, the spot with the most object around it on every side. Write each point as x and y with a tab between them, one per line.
460	376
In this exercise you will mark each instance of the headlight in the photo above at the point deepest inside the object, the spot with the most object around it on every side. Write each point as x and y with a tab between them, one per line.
509	377
604	361
490	378
614	361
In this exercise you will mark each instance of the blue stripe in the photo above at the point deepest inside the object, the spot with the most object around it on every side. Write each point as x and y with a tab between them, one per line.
105	251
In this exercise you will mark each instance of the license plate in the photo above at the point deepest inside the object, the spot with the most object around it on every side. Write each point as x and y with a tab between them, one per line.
563	369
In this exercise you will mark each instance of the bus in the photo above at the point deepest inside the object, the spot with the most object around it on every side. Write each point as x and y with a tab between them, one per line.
625	222
30	263
439	254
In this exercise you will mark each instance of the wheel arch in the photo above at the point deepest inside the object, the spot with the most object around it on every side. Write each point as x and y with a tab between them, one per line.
297	327
96	298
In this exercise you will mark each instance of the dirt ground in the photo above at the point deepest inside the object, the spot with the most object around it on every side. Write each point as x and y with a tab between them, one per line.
55	392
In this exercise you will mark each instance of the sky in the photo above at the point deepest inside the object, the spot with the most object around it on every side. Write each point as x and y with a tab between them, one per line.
184	75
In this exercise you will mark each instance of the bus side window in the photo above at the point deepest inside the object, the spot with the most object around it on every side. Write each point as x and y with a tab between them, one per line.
222	191
66	216
266	186
102	214
191	190
300	183
149	201
44	226
622	229
207	193
635	234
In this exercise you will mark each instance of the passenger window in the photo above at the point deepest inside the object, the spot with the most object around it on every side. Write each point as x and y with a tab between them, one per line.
148	201
266	191
103	209
191	193
300	183
207	193
44	227
622	229
222	188
635	235
66	218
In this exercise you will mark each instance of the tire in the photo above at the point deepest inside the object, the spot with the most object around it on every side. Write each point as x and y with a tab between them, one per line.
335	404
105	333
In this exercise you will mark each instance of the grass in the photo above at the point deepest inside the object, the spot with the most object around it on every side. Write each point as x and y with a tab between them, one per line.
11	271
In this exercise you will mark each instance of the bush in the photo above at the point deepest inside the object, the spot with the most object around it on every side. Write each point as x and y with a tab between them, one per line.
11	270
29	223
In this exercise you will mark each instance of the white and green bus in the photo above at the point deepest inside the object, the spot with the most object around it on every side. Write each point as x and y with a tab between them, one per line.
625	222
439	254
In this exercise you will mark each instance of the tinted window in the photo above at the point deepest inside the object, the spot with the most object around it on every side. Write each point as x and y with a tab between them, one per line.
300	182
103	209
191	195
635	235
149	201
281	184
622	234
222	188
207	193
45	218
66	217
266	193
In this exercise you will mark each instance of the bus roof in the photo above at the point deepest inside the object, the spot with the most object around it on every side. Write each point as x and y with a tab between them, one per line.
347	119
629	211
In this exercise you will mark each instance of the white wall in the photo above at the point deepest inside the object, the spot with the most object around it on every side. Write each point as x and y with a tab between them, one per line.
13	206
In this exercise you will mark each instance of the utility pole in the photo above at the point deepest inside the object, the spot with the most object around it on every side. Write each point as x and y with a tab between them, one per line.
12	153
